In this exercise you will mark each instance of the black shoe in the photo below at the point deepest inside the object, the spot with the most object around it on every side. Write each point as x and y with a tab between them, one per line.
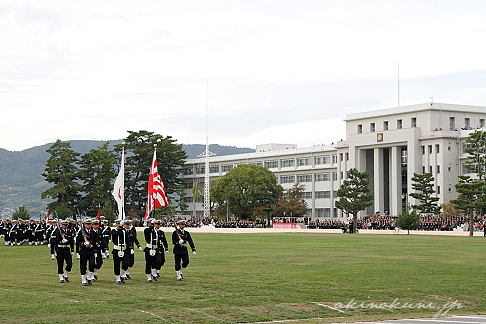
179	279
158	275
85	284
122	280
155	278
118	282
66	279
89	282
95	277
128	276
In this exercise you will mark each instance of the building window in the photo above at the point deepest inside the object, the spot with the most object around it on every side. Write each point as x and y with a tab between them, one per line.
438	190
372	127
423	169
481	122
199	213
188	171
334	193
423	149
399	124
414	122
323	194
467	123
347	156
430	169
465	146
437	148
430	149
438	169
271	164
303	161
449	169
201	170
341	156
360	129
187	200
334	176
307	195
304	178
257	163
385	125
452	123
287	179
188	184
322	177
334	159
449	148
322	159
287	163
226	167
214	169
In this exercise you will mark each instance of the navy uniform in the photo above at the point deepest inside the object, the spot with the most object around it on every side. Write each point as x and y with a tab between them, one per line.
180	238
119	238
98	248
154	249
64	250
106	235
7	226
51	238
86	239
131	242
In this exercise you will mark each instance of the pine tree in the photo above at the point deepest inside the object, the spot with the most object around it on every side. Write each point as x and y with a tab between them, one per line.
21	213
408	219
354	194
61	171
423	185
470	194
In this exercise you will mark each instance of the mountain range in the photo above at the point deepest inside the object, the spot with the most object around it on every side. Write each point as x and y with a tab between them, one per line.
21	182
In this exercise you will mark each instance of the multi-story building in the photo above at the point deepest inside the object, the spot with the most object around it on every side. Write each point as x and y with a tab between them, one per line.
391	144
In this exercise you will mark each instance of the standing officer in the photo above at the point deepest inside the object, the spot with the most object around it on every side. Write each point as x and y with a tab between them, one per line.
179	238
64	250
86	239
162	242
131	241
154	255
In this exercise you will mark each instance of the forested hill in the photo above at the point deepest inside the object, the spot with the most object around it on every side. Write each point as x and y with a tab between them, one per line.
20	172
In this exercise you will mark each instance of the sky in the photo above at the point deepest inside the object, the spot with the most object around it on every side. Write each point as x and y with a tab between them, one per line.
244	72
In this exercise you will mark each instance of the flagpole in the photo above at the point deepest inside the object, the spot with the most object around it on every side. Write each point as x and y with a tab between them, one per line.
123	182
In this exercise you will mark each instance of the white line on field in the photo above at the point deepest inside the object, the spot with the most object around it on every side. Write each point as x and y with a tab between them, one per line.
287	321
20	291
324	305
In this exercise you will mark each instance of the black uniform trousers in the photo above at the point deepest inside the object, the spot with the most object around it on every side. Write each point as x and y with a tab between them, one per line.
87	258
178	257
153	262
64	254
124	261
98	259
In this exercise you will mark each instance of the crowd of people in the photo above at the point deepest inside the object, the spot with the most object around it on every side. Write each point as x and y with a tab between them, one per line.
90	239
388	222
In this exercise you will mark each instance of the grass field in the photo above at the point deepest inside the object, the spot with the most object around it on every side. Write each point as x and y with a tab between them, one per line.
249	278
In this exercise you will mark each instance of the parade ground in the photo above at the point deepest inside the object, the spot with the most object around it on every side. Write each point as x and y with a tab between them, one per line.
264	276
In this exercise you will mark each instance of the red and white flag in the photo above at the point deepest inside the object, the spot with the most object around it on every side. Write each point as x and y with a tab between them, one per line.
118	188
156	189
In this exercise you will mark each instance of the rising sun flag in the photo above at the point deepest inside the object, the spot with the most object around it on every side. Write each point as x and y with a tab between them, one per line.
156	189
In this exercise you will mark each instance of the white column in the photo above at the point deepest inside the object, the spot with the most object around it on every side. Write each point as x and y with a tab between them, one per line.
378	182
395	181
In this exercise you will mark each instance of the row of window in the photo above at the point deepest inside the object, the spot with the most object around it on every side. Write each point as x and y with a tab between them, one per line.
437	149
287	163
308	177
413	123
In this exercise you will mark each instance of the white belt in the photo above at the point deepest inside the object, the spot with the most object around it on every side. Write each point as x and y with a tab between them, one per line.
150	246
63	246
119	248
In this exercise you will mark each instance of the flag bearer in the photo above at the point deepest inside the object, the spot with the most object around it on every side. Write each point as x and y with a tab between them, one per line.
179	238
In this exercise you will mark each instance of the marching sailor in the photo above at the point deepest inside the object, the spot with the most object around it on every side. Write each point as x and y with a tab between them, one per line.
64	250
120	252
86	239
154	256
180	238
131	241
98	248
106	234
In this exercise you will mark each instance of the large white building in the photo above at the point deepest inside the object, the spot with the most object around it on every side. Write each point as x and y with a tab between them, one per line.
391	144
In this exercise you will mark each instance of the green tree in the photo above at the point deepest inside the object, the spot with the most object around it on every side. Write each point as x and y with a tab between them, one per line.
63	211
61	171
292	203
21	213
423	185
354	194
108	211
244	188
476	161
408	219
96	172
470	192
139	151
